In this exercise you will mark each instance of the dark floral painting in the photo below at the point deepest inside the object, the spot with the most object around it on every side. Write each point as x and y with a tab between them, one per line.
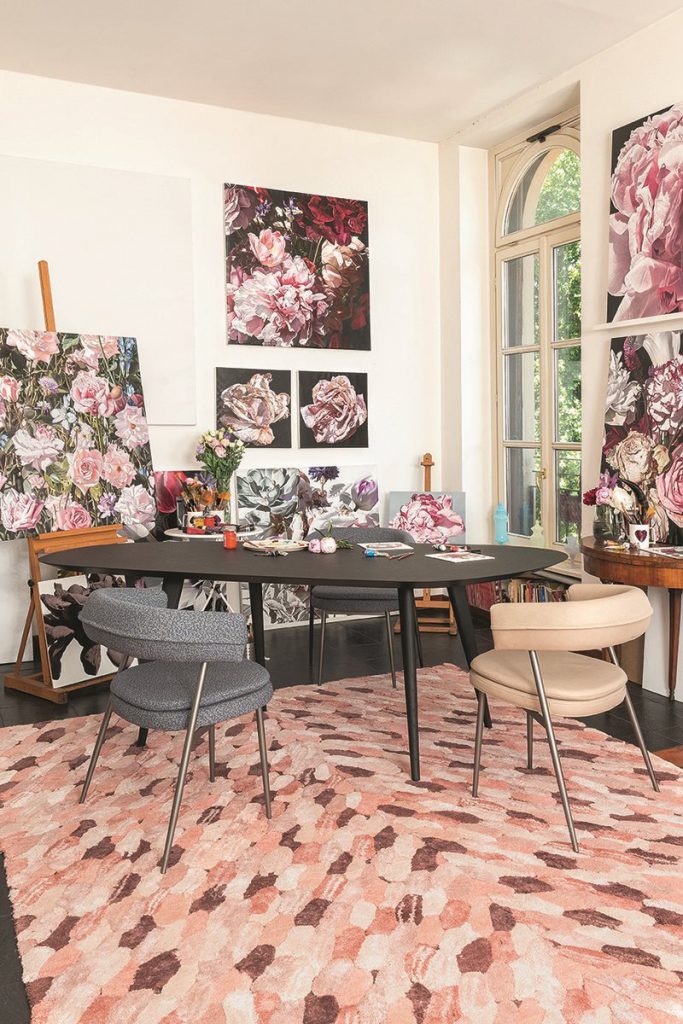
296	269
74	443
643	443
255	405
645	271
333	409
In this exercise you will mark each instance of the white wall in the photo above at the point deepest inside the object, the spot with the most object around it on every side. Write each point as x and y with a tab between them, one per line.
43	119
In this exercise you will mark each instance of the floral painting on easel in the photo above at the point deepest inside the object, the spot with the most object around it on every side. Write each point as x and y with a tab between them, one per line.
642	450
645	271
74	443
296	269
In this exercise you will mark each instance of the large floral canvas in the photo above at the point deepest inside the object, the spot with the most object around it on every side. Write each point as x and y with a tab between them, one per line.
295	502
643	441
74	446
255	405
333	410
645	271
430	517
296	268
73	656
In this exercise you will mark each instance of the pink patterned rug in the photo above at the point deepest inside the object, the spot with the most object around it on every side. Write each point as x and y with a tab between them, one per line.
367	899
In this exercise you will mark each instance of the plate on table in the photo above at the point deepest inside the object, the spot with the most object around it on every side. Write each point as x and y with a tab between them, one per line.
276	544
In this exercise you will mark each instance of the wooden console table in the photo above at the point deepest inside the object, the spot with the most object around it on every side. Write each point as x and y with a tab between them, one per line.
641	569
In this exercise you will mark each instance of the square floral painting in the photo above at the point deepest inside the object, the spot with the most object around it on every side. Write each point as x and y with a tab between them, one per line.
645	271
74	444
255	405
296	268
430	517
643	443
333	410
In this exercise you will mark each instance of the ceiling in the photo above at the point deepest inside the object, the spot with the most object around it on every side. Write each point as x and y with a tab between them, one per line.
420	69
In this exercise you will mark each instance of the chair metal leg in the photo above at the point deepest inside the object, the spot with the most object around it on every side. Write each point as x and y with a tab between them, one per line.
263	752
636	728
104	725
418	638
323	620
554	753
387	618
478	736
311	624
212	753
182	771
529	740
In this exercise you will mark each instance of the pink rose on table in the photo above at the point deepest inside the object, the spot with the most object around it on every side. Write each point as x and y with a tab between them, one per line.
93	348
131	426
137	509
336	411
68	514
117	469
36	346
91	394
169	487
268	247
10	388
429	518
19	512
250	409
38	449
85	468
670	487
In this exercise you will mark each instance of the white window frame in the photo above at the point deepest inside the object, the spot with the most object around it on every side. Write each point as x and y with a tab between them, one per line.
542	239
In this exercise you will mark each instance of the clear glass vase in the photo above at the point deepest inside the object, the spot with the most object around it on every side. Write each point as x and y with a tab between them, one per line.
609	524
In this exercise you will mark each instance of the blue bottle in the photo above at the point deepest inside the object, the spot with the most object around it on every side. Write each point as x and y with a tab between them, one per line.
500	519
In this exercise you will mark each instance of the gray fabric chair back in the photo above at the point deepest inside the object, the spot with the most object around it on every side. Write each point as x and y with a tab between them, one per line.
138	623
366	534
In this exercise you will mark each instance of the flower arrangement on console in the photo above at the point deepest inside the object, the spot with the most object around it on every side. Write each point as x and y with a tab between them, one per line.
219	453
617	506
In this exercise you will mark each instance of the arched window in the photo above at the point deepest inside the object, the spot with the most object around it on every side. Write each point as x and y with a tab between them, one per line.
538	343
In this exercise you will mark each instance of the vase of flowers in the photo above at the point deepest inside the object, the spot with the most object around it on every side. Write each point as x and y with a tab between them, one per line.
617	506
219	453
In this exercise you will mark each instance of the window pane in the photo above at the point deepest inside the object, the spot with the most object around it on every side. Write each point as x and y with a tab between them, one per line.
567	291
549	188
567	495
523	497
520	301
568	395
522	396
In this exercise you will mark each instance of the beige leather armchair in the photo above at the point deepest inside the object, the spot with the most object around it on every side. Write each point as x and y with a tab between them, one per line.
531	665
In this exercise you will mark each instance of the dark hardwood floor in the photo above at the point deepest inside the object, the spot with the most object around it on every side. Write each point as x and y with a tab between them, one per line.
353	648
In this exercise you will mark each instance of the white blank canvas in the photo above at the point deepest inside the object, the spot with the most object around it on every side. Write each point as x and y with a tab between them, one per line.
119	247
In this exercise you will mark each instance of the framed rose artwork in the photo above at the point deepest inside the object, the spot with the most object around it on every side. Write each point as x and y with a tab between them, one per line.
333	410
74	446
645	267
430	517
643	441
255	405
297	270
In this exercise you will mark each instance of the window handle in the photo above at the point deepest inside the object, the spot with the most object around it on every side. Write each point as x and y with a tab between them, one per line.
541	474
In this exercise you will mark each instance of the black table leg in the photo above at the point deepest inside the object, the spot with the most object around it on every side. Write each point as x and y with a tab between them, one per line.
407	612
256	602
418	638
172	587
463	618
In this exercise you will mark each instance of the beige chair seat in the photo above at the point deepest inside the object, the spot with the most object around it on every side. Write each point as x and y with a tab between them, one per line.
575	685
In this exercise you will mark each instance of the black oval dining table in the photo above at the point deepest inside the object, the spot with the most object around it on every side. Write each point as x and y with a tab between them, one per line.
175	562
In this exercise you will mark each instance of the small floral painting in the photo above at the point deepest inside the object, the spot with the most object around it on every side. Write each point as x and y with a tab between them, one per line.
645	271
255	406
333	410
296	268
642	453
74	443
428	516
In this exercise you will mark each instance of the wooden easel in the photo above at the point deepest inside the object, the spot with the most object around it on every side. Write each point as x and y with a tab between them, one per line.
40	684
438	614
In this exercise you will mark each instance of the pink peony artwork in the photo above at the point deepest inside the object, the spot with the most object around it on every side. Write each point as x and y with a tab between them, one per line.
645	268
430	517
255	405
74	443
334	409
296	269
